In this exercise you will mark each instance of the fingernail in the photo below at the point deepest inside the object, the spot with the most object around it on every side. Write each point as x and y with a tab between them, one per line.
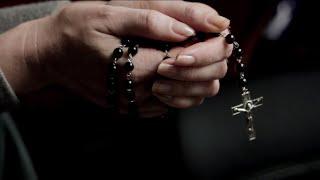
161	87
163	68
169	61
218	21
183	29
164	98
185	60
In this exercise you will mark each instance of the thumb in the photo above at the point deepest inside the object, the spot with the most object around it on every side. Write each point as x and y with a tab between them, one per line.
151	24
199	16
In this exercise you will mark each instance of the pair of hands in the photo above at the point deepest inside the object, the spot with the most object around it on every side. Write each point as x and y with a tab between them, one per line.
74	46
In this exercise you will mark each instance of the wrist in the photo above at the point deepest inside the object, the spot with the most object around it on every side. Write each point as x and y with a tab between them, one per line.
23	52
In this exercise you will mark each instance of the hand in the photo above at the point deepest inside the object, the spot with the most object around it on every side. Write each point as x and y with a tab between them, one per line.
193	74
187	82
199	16
81	39
91	27
86	35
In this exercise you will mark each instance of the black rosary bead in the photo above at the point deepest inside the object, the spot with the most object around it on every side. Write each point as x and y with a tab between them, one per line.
112	91
126	42
129	84
242	82
111	84
201	36
112	78
117	53
240	67
133	109
132	105
238	52
112	69
230	38
133	50
129	66
164	47
130	94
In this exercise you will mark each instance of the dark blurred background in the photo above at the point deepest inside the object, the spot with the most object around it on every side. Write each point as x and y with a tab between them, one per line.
74	138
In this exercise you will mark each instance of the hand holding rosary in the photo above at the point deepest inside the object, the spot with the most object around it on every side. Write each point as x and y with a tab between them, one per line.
246	107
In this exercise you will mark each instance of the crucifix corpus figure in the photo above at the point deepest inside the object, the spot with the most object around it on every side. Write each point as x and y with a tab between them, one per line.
246	107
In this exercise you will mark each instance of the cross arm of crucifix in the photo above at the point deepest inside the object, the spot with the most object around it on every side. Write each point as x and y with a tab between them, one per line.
247	106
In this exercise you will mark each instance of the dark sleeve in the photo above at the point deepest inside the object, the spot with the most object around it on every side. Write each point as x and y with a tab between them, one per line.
15	162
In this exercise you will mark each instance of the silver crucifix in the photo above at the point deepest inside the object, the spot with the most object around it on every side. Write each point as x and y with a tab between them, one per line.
246	107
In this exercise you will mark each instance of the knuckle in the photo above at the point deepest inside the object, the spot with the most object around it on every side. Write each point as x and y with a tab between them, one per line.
205	8
149	19
195	9
144	4
105	12
185	102
63	11
228	51
214	88
182	103
191	11
223	69
191	75
171	72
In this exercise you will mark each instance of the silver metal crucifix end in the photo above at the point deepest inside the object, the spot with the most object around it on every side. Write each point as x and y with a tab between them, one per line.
246	107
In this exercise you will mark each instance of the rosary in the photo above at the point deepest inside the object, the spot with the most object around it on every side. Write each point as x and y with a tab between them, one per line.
248	104
246	107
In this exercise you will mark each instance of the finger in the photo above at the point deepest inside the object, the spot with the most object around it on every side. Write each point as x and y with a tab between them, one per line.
122	21
206	73
146	63
204	53
199	16
181	88
180	102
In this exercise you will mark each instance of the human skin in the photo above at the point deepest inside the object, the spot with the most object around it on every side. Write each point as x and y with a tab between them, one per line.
72	48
